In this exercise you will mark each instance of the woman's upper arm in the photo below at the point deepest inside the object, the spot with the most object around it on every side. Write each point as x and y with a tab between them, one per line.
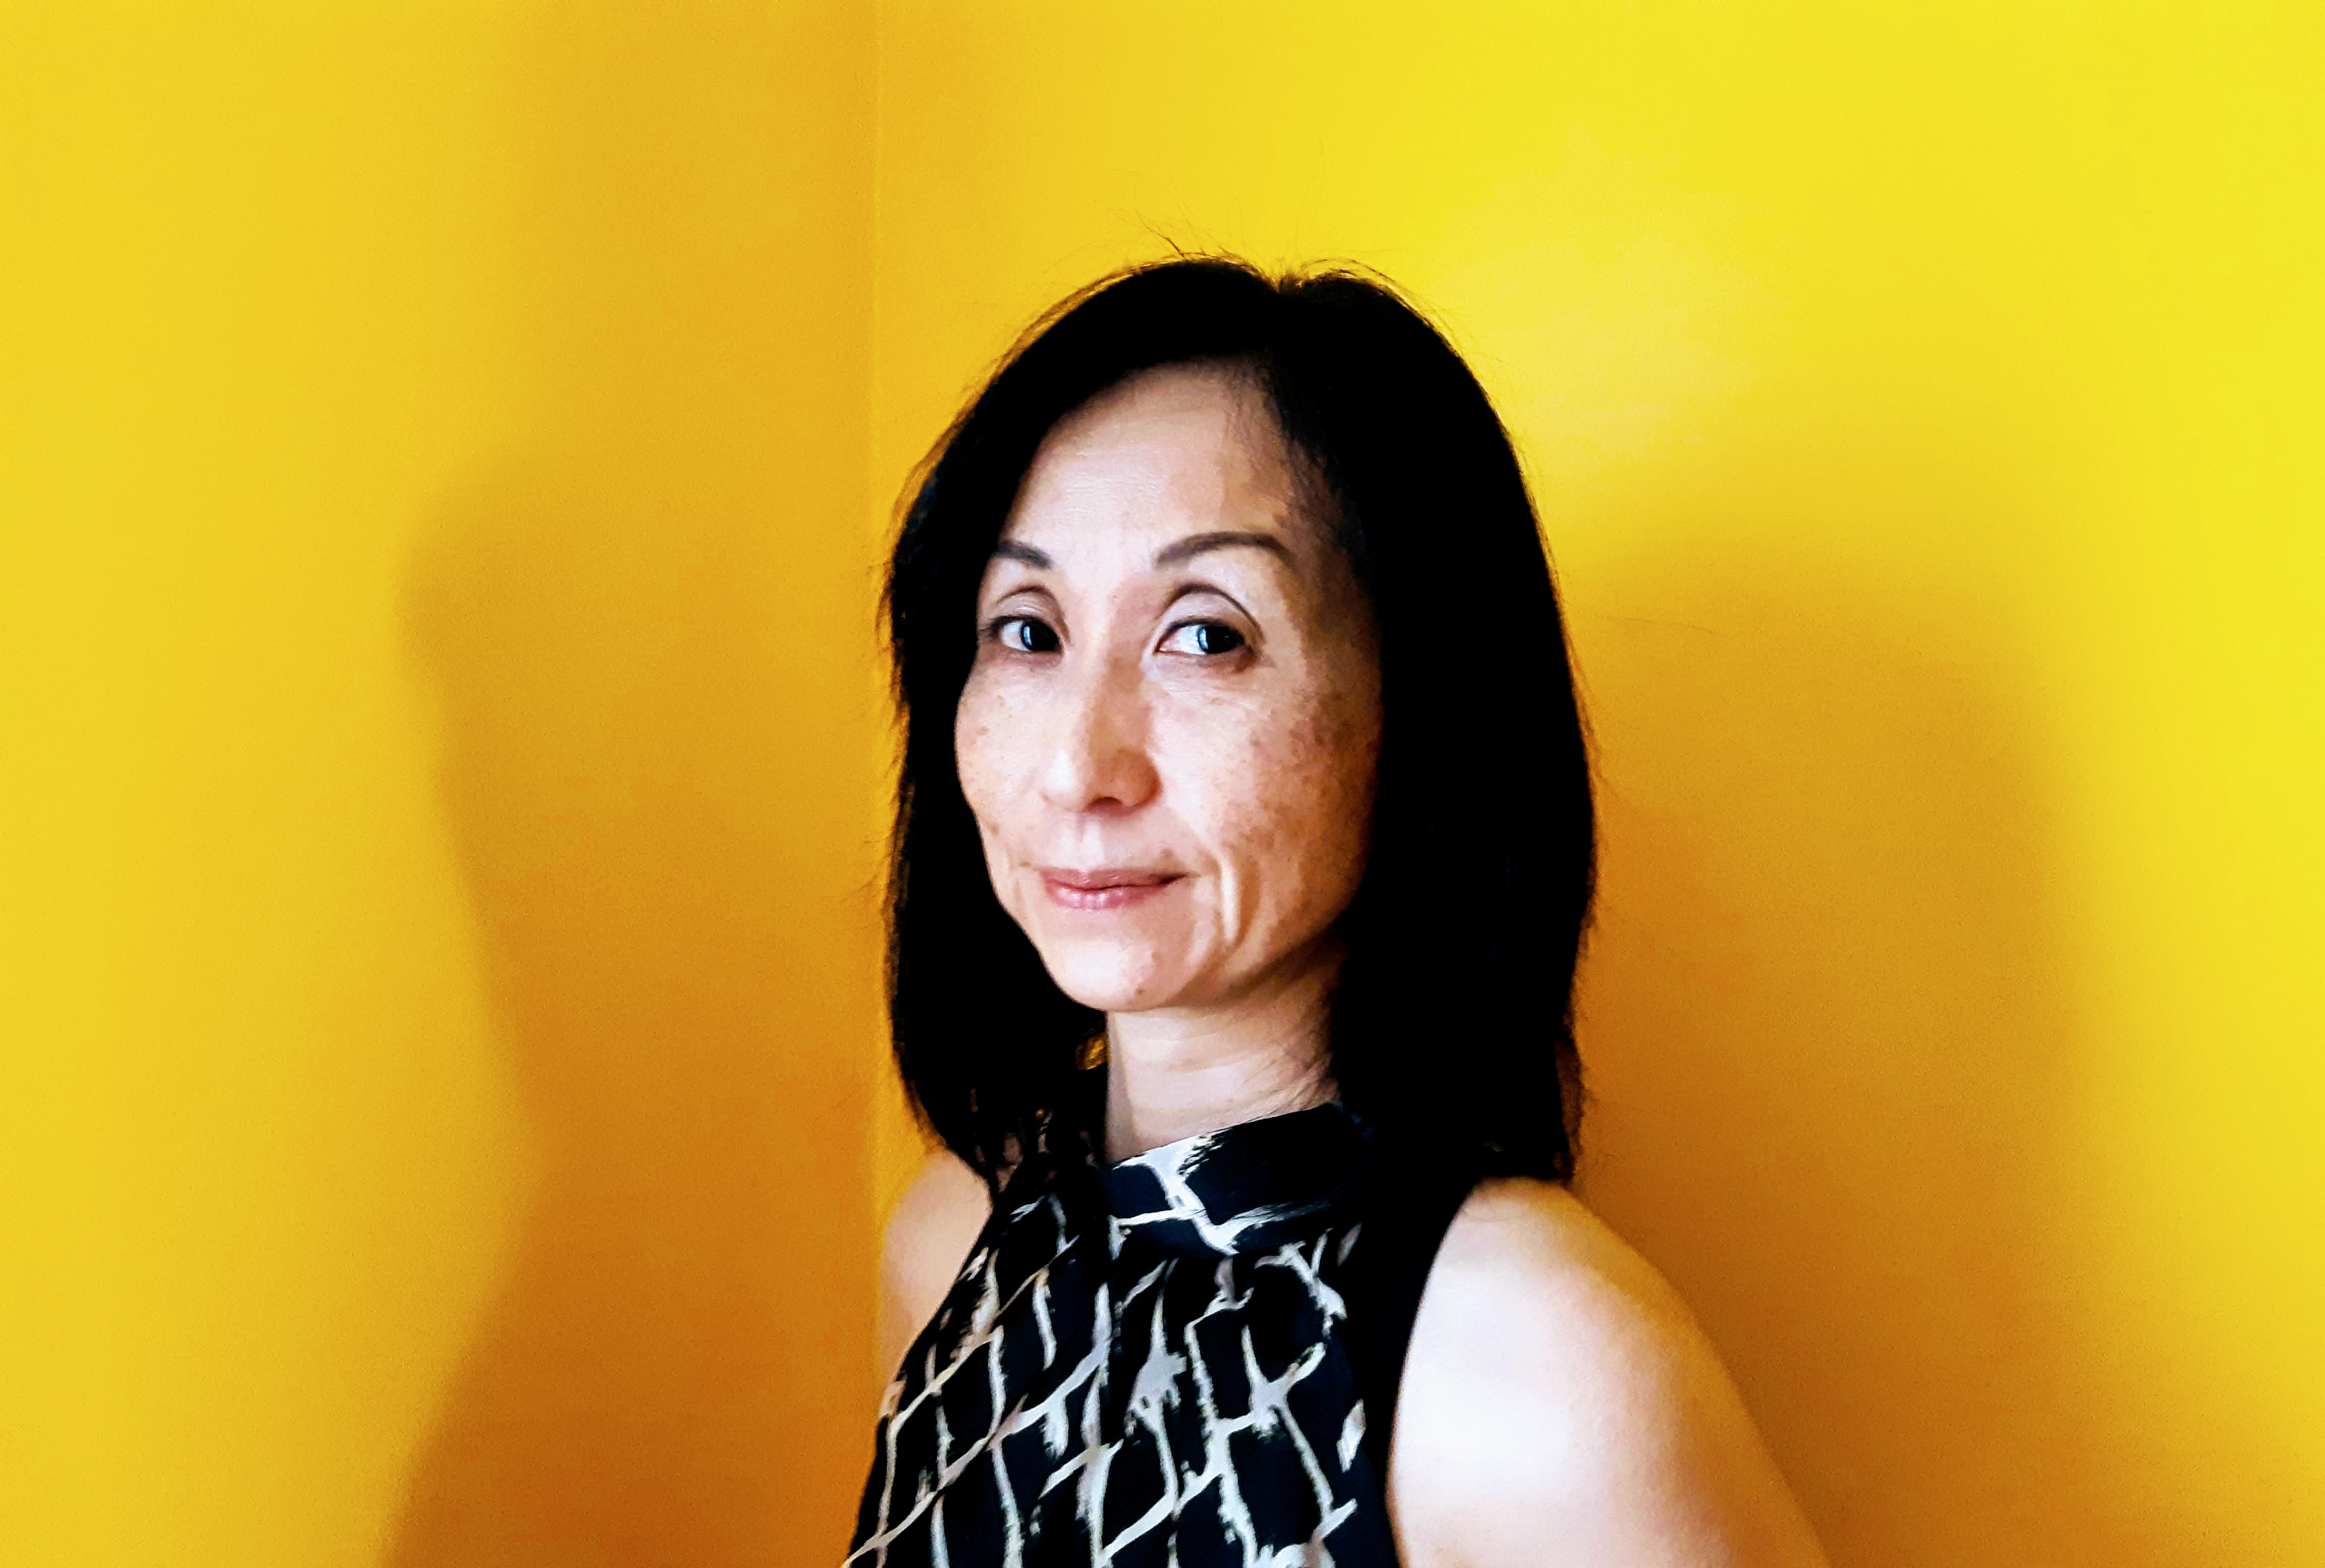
1560	1405
934	1225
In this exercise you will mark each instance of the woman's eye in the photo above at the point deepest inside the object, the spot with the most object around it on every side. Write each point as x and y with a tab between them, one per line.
1025	635
1203	639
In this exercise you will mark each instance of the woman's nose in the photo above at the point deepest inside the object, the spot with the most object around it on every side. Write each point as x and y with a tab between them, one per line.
1098	759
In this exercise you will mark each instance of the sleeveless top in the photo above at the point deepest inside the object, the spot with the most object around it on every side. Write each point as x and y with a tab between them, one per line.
1189	1358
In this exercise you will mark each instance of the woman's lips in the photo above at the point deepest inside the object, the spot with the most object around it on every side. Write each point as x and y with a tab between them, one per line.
1106	888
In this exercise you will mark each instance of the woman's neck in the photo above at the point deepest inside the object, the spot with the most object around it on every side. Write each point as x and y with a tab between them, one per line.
1176	1072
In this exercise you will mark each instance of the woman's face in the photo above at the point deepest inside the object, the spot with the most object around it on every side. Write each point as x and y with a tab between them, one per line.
1170	735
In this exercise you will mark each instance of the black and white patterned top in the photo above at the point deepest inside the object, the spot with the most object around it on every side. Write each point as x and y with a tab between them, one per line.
1154	1363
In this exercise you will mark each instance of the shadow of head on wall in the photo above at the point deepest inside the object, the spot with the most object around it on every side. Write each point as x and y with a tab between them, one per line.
644	768
648	629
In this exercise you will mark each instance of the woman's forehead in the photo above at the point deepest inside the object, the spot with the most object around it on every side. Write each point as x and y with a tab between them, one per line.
1180	450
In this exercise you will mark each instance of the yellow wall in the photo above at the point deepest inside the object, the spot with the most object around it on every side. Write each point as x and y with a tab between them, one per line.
1924	404
436	1021
442	453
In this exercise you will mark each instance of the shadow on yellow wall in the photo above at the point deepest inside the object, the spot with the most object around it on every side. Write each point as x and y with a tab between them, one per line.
682	1327
1830	1049
651	639
1830	1019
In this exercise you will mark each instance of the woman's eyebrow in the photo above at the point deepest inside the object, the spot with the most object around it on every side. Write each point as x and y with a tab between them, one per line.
1011	550
1194	544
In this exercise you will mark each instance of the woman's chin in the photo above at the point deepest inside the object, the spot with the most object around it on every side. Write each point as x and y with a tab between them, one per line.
1112	982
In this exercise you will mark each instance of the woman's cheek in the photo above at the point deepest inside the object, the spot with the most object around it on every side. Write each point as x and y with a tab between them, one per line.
979	735
1276	794
1323	810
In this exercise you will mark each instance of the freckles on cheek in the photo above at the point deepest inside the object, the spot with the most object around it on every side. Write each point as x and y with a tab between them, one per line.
1296	801
1331	749
977	732
982	786
991	757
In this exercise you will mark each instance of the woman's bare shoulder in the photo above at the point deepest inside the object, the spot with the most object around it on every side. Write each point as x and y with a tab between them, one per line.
1559	1404
930	1233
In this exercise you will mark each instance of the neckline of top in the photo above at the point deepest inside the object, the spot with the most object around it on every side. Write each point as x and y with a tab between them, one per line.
1248	1187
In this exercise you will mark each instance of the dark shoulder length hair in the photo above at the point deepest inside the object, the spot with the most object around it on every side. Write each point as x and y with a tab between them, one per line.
1451	1027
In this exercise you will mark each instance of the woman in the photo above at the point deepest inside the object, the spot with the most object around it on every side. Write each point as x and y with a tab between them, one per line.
1243	853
